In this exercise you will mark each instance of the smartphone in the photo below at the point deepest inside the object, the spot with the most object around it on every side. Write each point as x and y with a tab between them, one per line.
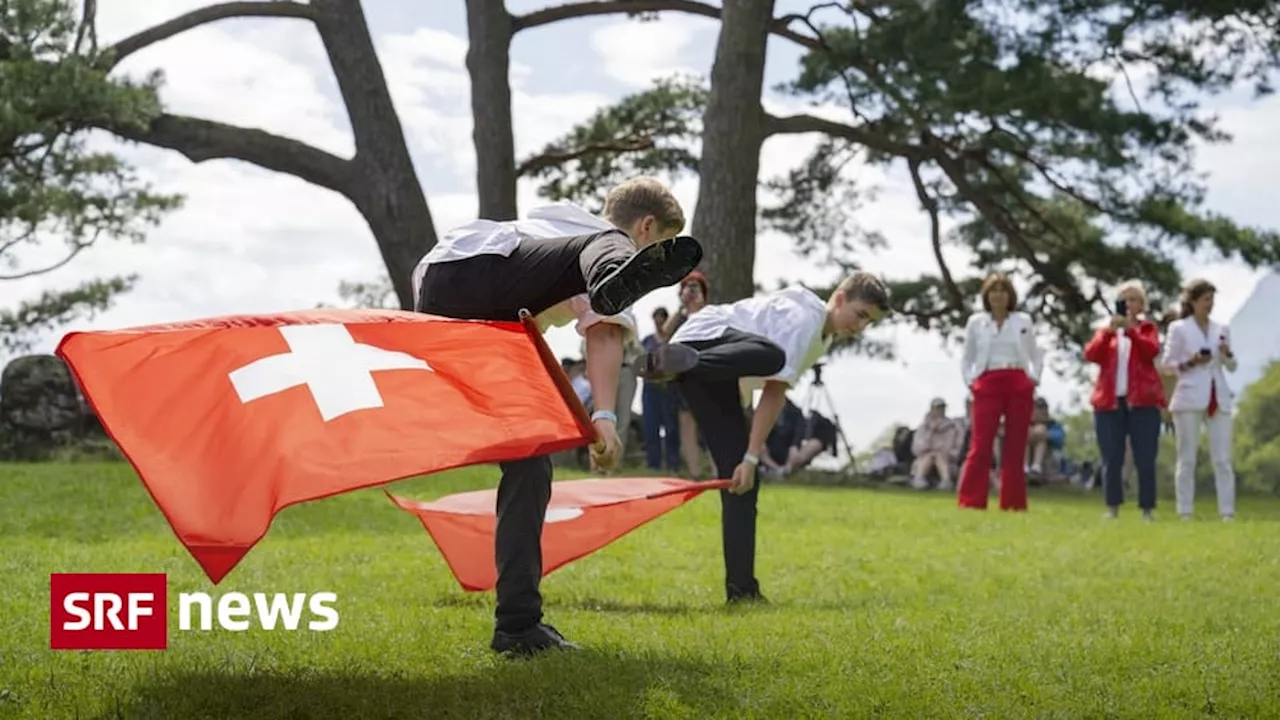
1205	352
1122	307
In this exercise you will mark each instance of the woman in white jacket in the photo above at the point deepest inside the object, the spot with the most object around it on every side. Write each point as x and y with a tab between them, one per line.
1198	352
1001	365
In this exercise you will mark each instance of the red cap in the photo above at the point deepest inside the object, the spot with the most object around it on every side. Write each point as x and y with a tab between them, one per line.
697	277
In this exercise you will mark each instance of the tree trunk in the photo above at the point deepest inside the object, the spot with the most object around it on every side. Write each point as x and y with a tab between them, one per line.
489	28
386	188
724	220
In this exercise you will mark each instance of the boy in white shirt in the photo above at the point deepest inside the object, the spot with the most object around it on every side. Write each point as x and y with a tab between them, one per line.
562	264
765	342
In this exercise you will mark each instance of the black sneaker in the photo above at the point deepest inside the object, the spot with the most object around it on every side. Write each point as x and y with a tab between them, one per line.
537	639
656	266
745	596
666	362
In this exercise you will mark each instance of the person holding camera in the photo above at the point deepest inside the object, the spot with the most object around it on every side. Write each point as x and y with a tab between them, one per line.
1127	399
1198	352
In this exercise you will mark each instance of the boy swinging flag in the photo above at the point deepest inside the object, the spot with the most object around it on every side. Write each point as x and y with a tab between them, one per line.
229	420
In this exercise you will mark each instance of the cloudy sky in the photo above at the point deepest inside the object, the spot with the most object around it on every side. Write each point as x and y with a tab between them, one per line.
249	241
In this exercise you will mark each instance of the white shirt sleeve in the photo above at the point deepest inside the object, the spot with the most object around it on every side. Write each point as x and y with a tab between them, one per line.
967	370
588	318
1228	363
1035	354
1175	352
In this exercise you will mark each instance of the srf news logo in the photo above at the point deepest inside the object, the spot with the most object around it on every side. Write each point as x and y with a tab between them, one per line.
129	611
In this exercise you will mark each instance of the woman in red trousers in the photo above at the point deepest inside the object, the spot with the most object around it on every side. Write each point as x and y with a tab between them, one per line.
1002	364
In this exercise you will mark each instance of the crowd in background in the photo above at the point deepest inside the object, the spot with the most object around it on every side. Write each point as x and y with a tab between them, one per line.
1146	378
1007	438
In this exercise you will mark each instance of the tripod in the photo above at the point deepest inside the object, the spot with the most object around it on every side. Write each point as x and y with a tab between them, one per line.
817	393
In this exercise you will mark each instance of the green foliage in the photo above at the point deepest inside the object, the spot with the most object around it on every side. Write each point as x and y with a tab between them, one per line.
653	132
1009	112
1022	150
21	326
55	188
377	294
1257	432
940	613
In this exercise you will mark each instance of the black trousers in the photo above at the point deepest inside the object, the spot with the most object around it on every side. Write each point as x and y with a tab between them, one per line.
711	391
538	275
1140	426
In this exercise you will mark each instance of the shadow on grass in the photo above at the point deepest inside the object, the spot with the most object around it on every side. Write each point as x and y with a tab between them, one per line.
581	684
616	607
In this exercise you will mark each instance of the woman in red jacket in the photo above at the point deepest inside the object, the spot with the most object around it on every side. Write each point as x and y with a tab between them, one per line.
1127	397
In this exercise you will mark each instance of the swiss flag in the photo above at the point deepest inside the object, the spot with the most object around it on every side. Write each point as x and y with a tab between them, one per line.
228	420
583	516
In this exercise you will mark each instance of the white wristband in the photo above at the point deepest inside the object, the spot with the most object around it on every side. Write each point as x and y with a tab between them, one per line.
604	415
751	459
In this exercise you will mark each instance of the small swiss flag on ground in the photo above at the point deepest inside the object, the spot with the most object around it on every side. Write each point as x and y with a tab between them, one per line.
229	420
583	516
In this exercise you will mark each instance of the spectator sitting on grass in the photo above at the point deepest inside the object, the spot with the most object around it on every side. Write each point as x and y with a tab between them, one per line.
805	439
934	446
1045	441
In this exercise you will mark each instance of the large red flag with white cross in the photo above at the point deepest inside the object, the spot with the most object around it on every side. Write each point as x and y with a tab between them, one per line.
229	420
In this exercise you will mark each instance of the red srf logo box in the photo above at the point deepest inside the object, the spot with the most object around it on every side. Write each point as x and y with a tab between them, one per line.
108	611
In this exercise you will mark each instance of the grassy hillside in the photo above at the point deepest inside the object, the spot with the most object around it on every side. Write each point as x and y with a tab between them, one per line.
885	603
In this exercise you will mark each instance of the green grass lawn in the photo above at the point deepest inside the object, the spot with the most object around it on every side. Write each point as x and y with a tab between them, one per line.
886	603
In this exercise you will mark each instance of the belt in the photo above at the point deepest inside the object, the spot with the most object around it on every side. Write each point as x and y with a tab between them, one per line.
1003	366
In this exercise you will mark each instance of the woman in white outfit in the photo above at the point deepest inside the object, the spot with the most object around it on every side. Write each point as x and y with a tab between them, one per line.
1198	352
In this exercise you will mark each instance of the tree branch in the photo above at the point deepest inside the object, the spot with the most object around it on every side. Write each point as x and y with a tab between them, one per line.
1002	219
930	204
222	11
552	158
796	124
201	140
589	8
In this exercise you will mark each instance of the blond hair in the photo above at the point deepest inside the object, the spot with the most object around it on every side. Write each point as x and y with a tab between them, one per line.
640	197
1135	286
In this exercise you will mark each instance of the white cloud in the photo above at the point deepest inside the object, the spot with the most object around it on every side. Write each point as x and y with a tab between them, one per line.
637	53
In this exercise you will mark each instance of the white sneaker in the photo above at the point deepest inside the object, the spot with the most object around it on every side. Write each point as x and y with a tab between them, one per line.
919	483
946	486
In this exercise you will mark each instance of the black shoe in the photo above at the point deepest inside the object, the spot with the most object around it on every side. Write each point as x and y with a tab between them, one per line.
537	639
667	362
656	266
745	596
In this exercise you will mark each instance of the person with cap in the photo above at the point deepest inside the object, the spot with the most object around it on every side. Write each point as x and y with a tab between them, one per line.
934	446
562	264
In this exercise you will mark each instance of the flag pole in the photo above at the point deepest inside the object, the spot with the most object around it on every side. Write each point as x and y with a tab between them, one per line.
560	379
